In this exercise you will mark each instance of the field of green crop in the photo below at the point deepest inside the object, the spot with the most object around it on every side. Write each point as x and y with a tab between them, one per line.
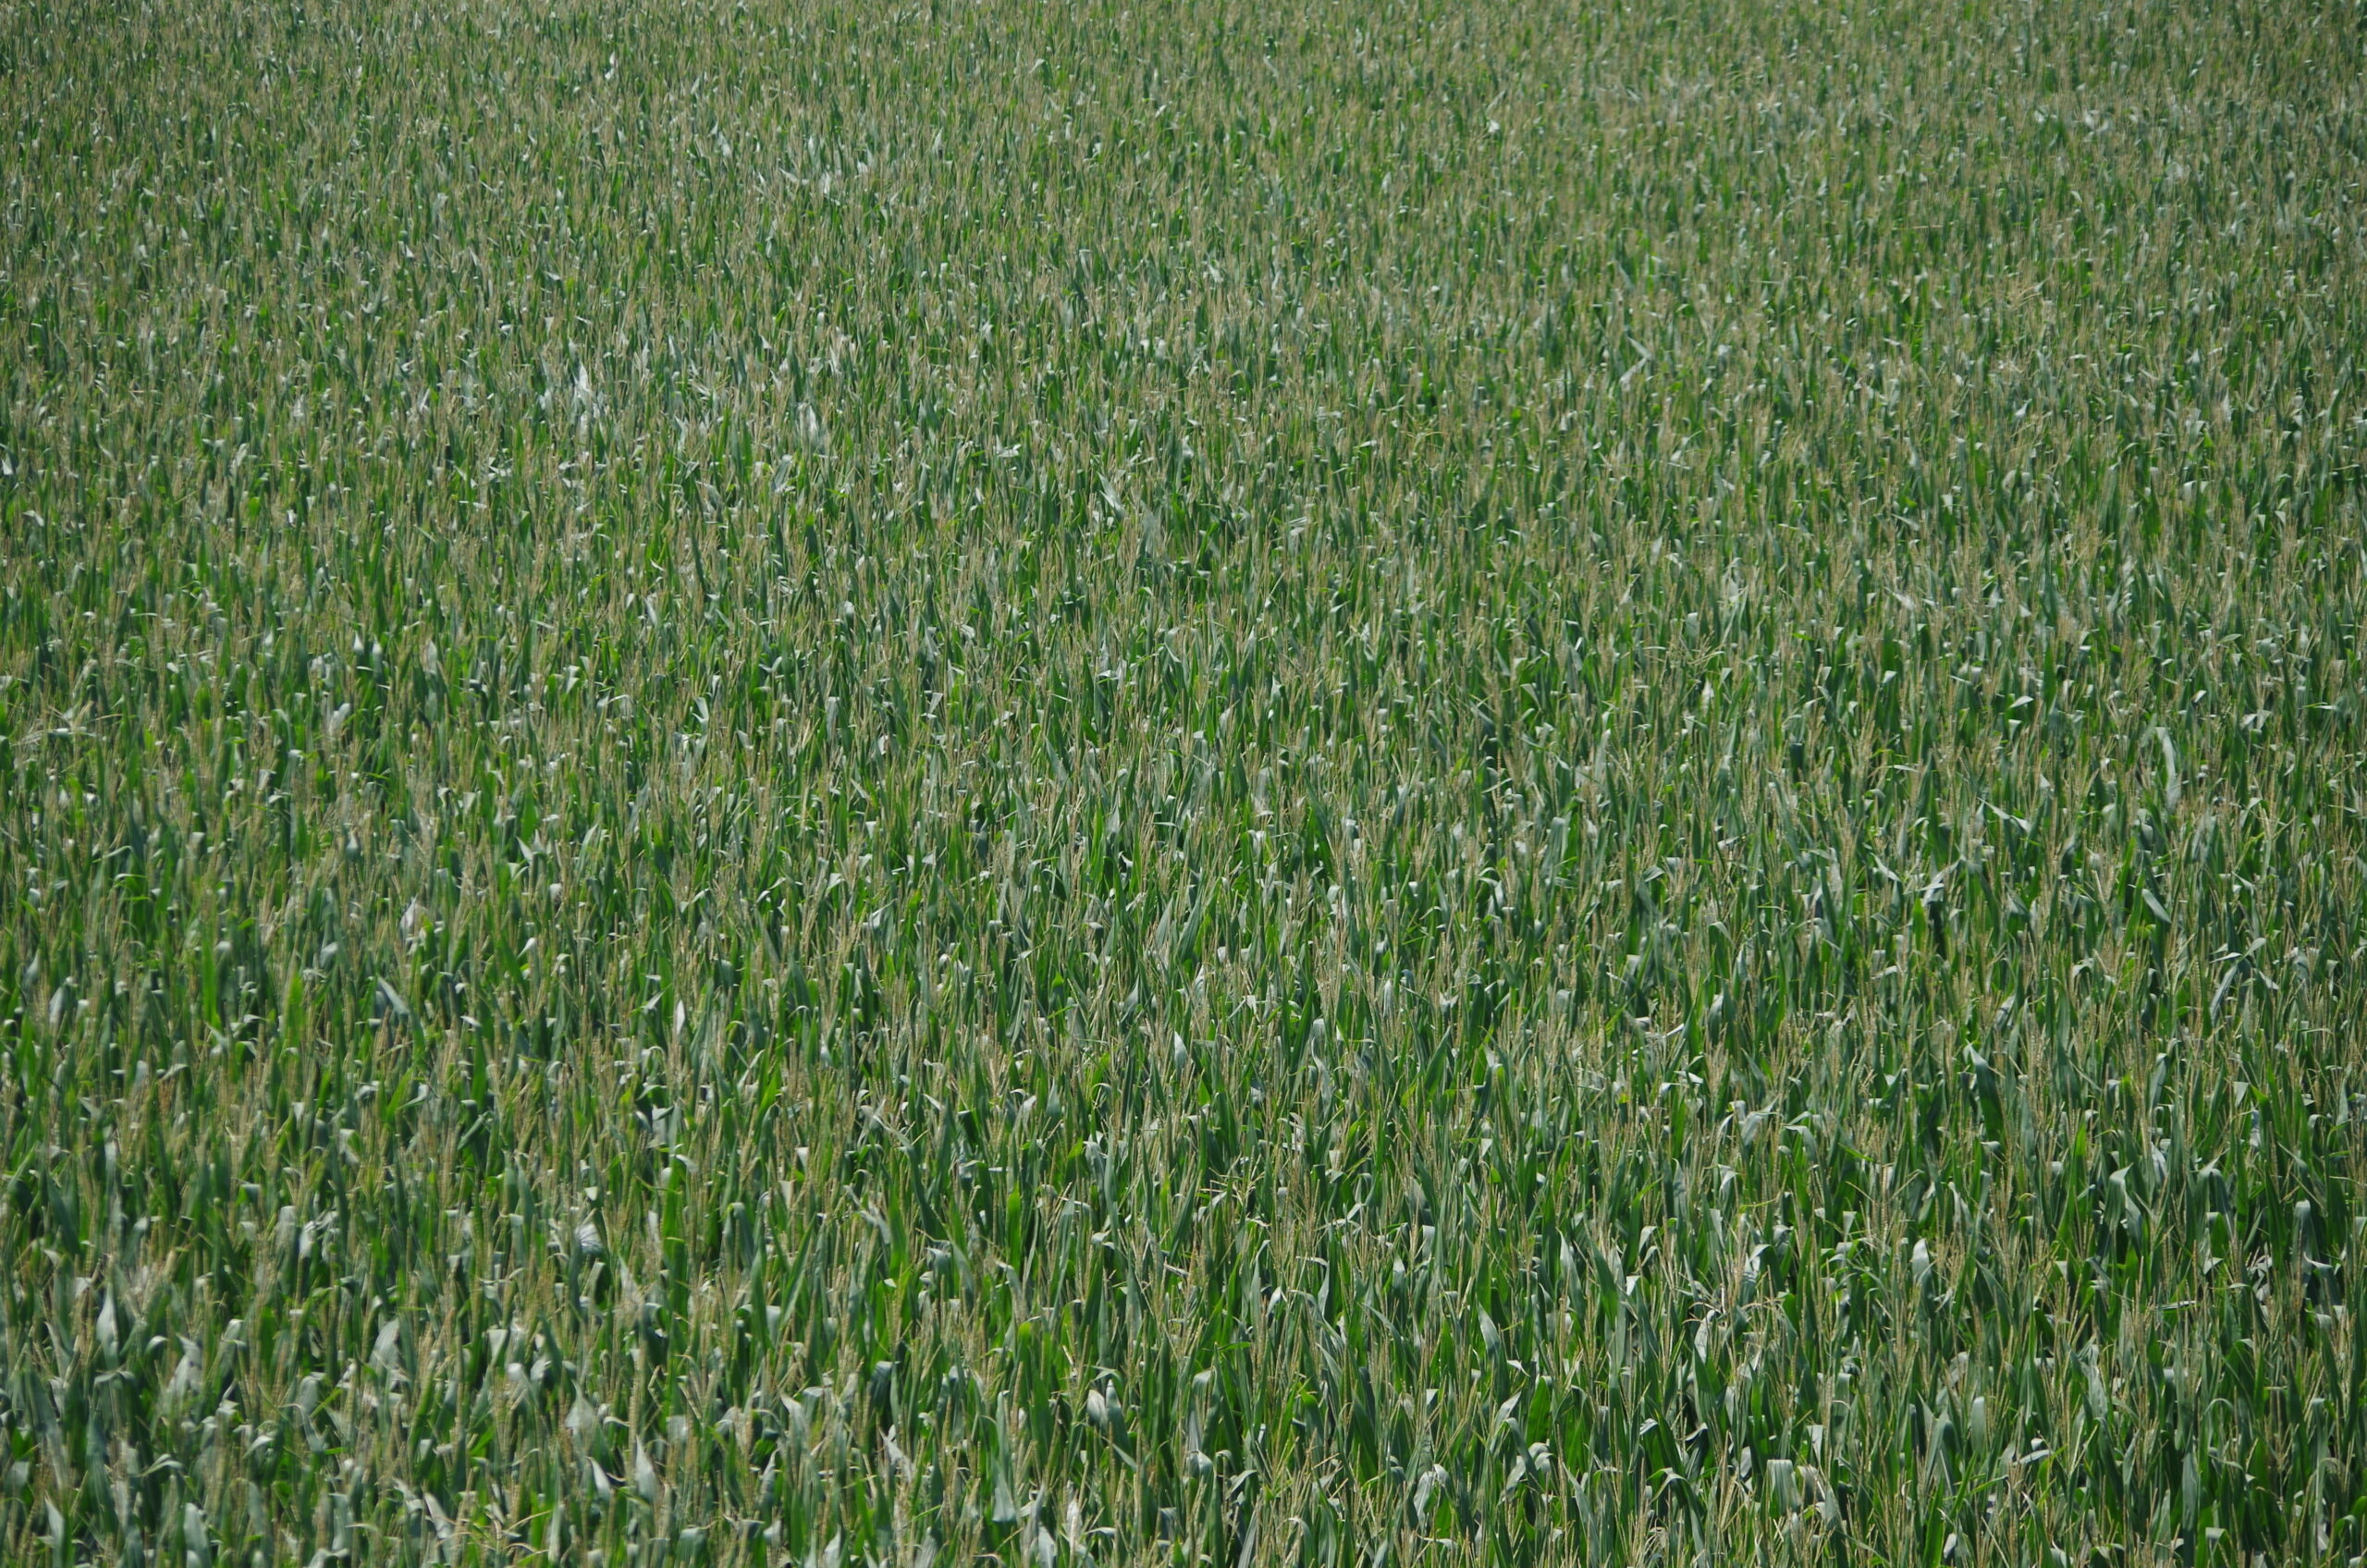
1115	782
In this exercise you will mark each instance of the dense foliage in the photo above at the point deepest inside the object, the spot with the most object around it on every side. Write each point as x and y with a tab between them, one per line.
1122	782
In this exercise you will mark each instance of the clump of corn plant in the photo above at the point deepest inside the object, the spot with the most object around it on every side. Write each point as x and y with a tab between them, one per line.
791	783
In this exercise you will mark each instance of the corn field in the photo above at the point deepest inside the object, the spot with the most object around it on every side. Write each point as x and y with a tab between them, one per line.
1112	782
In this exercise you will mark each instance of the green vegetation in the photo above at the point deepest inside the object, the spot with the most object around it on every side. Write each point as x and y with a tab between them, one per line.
1153	783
